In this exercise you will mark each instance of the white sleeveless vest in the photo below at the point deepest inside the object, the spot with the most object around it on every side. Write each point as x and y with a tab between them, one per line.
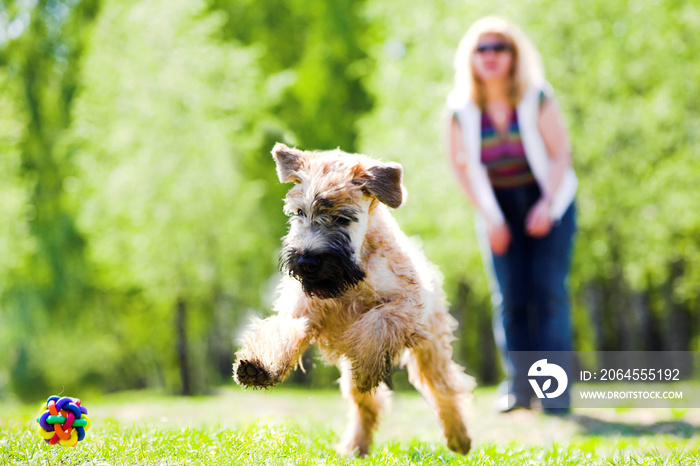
469	117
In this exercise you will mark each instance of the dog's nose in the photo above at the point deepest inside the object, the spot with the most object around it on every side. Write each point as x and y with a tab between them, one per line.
308	263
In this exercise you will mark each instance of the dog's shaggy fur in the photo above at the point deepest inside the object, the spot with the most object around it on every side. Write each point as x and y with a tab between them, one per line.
361	290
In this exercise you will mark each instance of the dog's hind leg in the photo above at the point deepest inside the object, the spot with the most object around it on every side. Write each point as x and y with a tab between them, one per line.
365	409
441	381
270	351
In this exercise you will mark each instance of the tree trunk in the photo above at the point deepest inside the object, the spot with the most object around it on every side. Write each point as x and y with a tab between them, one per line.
182	349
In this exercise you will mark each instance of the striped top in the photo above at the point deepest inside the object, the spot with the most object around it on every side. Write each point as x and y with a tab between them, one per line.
503	155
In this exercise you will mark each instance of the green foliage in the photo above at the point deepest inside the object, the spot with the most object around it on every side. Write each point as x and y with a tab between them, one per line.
157	138
624	74
315	50
160	195
46	273
15	241
135	172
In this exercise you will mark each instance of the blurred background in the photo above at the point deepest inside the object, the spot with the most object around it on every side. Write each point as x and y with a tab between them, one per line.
140	213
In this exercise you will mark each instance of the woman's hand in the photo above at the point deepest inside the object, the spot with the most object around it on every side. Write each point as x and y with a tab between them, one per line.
499	237
539	222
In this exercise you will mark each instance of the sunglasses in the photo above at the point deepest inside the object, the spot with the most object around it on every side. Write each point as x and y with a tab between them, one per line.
496	47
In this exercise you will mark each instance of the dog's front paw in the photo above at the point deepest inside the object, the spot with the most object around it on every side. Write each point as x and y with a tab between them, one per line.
249	374
460	444
368	374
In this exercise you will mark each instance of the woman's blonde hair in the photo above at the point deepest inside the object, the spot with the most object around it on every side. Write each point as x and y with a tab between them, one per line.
526	67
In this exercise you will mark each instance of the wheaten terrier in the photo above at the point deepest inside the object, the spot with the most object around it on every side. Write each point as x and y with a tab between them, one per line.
361	290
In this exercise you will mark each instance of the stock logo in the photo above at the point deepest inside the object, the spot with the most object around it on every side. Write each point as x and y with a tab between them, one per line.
542	368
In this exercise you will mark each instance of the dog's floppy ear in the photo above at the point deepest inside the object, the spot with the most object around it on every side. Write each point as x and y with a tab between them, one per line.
288	161
384	181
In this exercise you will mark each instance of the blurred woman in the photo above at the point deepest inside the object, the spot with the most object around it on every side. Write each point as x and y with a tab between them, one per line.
509	148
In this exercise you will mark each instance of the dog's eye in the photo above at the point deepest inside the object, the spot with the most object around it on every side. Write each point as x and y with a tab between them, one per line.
300	213
343	221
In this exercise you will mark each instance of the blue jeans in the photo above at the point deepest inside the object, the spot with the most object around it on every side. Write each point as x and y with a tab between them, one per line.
529	290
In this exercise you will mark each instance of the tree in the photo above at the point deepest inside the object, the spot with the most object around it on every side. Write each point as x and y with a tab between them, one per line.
164	115
49	277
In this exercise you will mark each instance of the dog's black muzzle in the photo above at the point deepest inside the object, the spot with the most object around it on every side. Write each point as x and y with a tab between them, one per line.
327	273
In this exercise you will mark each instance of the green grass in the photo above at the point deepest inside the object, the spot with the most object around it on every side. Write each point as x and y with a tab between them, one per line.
298	427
